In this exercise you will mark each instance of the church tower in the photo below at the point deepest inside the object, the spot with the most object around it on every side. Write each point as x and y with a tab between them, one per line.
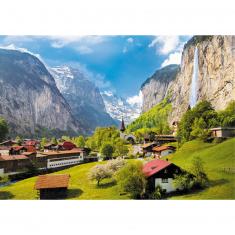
122	127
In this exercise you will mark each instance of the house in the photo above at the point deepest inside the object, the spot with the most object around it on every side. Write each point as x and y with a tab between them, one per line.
161	172
66	145
161	151
17	150
163	139
52	186
56	159
147	149
5	150
224	132
14	163
8	143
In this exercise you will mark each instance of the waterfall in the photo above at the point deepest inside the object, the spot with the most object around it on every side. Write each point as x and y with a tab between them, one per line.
194	84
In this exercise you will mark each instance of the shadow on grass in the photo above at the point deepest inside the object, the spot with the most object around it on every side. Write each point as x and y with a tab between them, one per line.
74	193
218	182
6	195
106	185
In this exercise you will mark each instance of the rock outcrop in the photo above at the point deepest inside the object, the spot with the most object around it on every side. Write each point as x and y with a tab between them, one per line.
216	76
29	98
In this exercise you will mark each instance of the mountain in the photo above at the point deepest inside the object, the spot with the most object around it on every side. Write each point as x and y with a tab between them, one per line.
29	98
83	97
215	82
119	108
155	88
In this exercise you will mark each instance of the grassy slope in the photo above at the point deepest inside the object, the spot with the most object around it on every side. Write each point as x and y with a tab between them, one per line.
215	158
79	187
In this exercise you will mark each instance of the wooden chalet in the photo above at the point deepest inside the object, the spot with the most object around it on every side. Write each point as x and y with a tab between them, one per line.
163	139
161	151
223	132
52	186
161	172
14	163
147	149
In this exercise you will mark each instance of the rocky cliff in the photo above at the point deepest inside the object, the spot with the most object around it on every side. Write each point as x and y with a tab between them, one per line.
216	76
29	98
83	97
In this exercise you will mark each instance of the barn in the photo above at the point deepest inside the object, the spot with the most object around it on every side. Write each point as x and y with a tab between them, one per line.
52	186
161	172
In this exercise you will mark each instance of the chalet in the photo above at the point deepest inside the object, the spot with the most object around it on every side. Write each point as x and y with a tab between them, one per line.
17	150
52	186
161	172
161	151
14	163
147	149
224	132
56	159
5	150
8	143
163	139
66	145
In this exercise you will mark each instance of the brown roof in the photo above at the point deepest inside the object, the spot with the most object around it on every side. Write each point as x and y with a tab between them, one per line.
52	181
12	157
5	148
162	148
62	152
147	145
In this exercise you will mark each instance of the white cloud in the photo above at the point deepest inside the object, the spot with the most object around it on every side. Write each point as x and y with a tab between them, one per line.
165	44
136	99
173	58
130	40
83	41
84	49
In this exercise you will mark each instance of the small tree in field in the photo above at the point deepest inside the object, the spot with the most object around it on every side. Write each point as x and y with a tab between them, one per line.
197	169
116	164
132	180
99	172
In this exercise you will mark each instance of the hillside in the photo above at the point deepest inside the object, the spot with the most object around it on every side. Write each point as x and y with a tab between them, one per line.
154	119
216	157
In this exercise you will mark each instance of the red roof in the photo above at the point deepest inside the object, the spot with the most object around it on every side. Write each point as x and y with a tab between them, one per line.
17	148
52	181
30	148
12	157
155	166
31	142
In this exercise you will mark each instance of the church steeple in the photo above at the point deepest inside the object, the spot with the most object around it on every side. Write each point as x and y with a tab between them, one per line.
122	128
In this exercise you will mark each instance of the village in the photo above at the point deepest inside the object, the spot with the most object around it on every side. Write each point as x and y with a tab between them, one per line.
29	158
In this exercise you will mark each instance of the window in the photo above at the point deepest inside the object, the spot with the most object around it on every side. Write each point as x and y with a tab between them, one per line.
165	180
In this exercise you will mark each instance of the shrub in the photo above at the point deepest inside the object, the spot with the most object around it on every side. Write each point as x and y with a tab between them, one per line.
116	164
158	193
183	182
132	180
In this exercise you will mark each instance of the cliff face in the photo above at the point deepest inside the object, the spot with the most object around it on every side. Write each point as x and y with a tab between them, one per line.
29	98
216	75
83	97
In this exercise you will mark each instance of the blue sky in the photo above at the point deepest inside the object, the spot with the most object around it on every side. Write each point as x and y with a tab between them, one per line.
117	63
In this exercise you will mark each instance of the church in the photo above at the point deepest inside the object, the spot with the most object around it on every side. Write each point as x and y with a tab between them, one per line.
128	137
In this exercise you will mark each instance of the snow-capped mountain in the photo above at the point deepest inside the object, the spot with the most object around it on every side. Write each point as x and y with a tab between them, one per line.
83	96
118	107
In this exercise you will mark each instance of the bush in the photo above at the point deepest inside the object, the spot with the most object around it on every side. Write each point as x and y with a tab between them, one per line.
116	164
158	193
132	180
183	182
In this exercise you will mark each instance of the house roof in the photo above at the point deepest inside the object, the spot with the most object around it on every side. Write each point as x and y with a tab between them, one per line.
162	148
5	148
222	128
52	181
29	153
12	157
147	145
72	151
155	166
17	148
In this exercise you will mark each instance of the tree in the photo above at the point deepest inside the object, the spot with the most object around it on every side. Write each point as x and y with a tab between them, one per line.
131	179
80	141
43	141
115	164
3	129
18	140
183	182
54	141
121	149
99	172
107	150
198	171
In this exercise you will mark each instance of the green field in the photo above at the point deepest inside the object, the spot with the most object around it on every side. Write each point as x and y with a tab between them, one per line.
215	156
